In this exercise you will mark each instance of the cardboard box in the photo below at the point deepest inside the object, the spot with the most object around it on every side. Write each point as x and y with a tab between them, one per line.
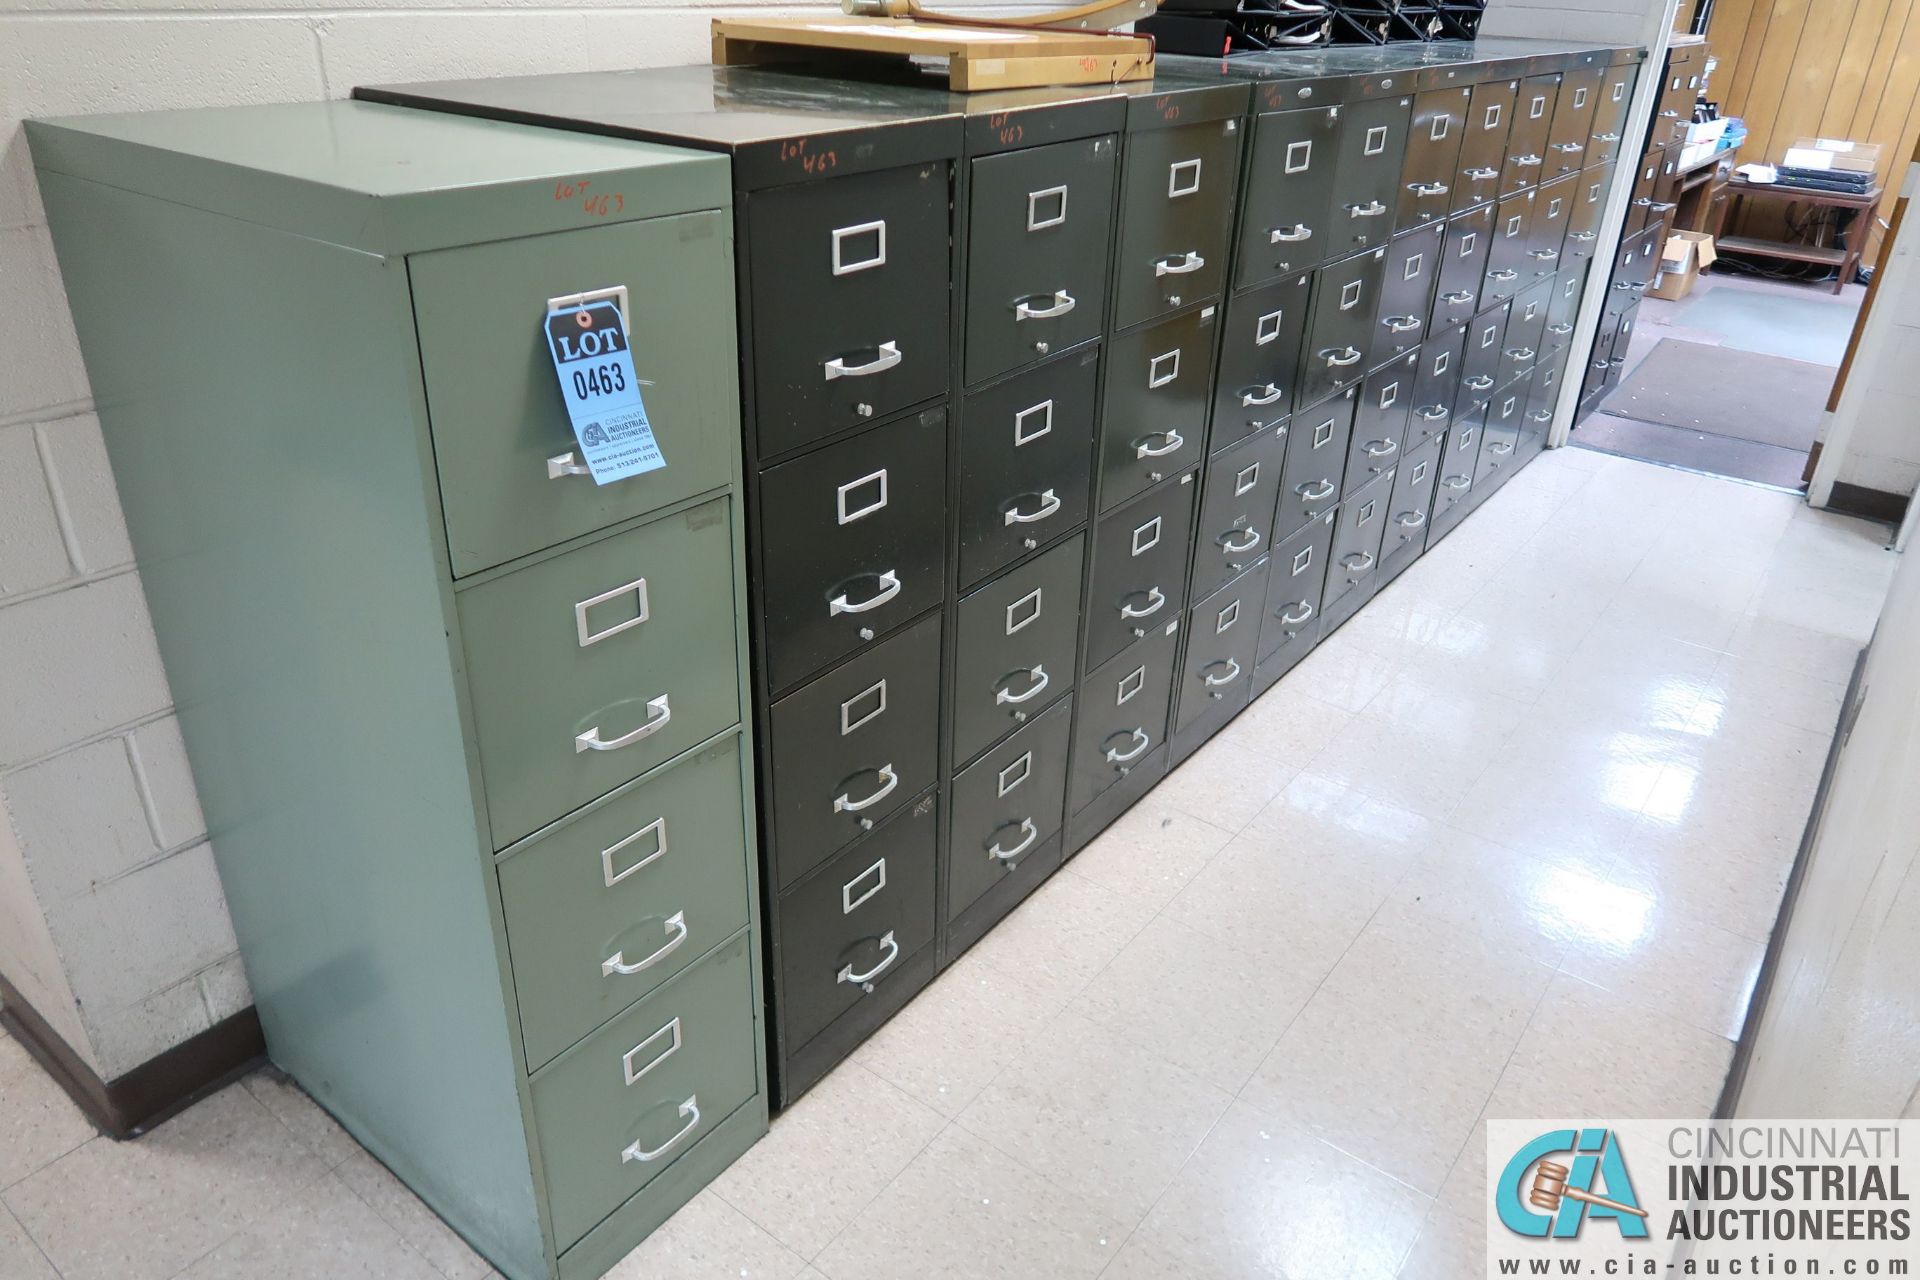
1685	255
1848	157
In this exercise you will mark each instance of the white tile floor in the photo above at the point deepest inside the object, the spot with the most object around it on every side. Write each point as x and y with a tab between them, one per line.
1509	844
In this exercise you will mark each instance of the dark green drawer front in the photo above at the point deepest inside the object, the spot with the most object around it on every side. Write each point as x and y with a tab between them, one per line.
1259	378
614	902
1583	219
497	415
1176	217
845	930
1463	267
1526	162
1154	405
1296	579
1553	208
1435	389
1123	709
571	695
1481	360
1366	177
1357	539
845	327
1573	116
1346	303
1483	150
1610	116
1563	306
1237	509
1017	639
1222	634
1139	576
615	1110
1382	410
1285	227
1317	444
1006	805
853	747
1026	461
1508	267
1406	292
1411	505
1040	224
1433	155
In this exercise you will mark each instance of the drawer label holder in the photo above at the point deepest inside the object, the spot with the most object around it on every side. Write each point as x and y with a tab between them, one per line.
587	337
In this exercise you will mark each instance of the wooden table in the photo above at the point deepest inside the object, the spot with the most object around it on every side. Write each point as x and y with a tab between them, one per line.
1846	258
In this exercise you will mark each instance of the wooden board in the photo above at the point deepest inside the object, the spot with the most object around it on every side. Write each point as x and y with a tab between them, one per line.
977	57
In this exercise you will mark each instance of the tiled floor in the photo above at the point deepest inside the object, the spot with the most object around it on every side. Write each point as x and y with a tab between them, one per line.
1508	844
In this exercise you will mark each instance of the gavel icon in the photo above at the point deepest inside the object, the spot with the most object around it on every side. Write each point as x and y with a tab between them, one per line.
1550	1187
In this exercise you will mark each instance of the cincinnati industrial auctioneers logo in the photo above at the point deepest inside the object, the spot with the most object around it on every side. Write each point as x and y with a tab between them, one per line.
1701	1197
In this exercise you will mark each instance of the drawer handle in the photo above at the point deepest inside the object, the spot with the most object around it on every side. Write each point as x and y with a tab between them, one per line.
565	464
1457	482
889	356
1545	255
1154	594
889	588
589	636
659	712
657	829
865	980
1290	235
1459	297
1503	275
1583	235
628	1058
1481	175
1358	561
1318	491
1233	673
1428	188
1401	324
1541	415
1606	137
1232	548
1570	148
1432	413
1340	357
1372	209
1411	519
677	931
1174	442
1049	503
1562	329
1268	395
1117	756
1007	856
1524	162
888	781
1063	302
1501	447
691	1110
1306	613
1520	354
1179	265
1037	675
1381	448
1479	382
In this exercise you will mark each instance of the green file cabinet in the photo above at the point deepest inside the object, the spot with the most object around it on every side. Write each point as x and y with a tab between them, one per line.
469	727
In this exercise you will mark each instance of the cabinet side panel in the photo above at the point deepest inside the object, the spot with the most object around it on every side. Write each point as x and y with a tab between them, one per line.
259	395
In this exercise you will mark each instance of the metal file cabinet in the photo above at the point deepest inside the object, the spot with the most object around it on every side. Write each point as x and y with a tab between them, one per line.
504	927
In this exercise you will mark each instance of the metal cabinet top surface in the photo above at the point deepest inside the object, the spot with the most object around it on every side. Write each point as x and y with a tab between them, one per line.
379	178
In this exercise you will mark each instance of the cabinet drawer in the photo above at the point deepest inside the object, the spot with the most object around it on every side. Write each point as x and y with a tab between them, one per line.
1139	575
1040	223
1154	407
1017	640
1006	805
1357	539
1483	148
1435	390
1463	268
853	747
1026	451
1222	634
1406	292
1526	161
1285	227
845	329
1610	115
590	668
1459	460
1552	208
1296	579
1366	176
1433	155
1527	325
1123	708
617	1109
848	927
1573	112
1380	420
1563	307
1317	442
1411	504
1583	217
1259	359
1497	449
852	539
1536	415
1482	357
1237	508
613	902
1346	302
497	416
1176	217
1508	266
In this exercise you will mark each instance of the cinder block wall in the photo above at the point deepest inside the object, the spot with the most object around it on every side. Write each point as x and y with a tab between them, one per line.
112	922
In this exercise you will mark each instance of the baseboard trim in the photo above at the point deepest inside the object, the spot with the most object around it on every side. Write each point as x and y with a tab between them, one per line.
154	1090
1868	504
1777	942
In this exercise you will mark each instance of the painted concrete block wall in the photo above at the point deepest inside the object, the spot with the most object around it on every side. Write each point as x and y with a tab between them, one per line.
112	922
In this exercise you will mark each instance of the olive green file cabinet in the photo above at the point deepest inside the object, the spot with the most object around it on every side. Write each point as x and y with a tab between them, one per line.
468	726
